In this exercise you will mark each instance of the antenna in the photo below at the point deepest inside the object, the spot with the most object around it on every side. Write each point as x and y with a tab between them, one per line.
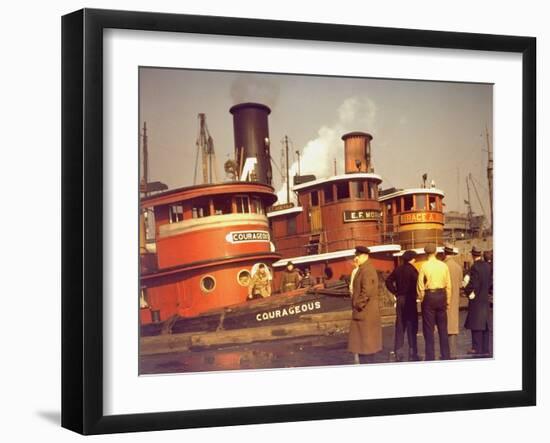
287	171
490	174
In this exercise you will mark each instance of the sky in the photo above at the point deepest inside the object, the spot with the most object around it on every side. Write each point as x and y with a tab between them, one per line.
418	127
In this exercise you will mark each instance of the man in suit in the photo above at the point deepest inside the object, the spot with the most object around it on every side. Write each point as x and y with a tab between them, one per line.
477	291
456	272
434	292
402	283
365	334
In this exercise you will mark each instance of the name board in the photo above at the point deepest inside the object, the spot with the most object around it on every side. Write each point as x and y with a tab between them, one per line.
303	308
421	217
361	215
280	207
247	236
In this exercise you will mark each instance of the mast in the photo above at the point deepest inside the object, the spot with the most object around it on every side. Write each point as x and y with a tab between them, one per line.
145	161
287	171
468	202
205	146
490	175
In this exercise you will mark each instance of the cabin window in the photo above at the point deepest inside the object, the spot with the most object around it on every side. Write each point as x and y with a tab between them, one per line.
243	277
176	213
408	203
222	205
433	202
373	191
342	190
243	204
420	202
328	193
208	283
201	208
358	189
315	198
291	225
257	205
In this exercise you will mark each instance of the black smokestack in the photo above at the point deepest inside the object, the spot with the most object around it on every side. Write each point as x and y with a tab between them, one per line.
251	132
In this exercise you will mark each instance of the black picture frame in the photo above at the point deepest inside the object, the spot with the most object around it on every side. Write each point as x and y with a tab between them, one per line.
82	217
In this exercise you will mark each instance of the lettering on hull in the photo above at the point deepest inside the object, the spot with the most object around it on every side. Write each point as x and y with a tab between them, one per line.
361	215
302	308
421	217
247	236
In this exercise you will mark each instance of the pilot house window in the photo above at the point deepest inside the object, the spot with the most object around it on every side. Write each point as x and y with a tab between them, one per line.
342	190
222	205
314	198
357	189
420	202
433	204
201	208
176	213
408	203
328	193
243	204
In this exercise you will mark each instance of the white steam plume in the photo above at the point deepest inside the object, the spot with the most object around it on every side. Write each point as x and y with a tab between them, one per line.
317	156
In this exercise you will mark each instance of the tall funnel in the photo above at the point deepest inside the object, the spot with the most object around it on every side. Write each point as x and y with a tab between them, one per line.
251	133
357	152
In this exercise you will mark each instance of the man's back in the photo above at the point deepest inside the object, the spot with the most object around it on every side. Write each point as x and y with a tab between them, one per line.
402	281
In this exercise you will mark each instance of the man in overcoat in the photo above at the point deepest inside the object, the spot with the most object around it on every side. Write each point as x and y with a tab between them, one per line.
365	334
477	291
455	271
402	283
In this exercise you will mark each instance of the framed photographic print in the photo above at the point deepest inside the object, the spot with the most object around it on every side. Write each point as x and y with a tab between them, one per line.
269	221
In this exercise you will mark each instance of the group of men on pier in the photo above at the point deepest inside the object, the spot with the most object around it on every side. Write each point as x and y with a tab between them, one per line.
436	286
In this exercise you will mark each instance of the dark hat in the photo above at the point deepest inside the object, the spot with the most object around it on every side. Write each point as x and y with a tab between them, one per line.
361	250
430	248
409	255
288	263
476	252
448	249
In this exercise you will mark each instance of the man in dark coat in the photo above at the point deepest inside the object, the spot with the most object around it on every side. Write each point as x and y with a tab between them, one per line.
402	283
365	334
477	290
290	279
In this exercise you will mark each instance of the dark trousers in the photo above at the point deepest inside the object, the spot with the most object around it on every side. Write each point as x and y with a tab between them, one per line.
366	358
434	312
406	322
480	341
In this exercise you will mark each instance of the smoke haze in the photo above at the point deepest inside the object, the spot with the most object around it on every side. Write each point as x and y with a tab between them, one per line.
318	155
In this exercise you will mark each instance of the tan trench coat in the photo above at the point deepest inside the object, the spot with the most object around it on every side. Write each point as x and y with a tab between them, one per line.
455	271
365	334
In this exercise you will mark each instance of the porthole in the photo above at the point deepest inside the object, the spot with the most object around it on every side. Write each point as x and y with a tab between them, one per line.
208	283
243	277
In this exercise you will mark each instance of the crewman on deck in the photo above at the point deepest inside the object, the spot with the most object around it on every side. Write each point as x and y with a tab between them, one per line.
456	272
434	291
260	284
365	333
307	280
290	279
402	283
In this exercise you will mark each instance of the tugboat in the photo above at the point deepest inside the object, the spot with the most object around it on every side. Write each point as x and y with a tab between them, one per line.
210	238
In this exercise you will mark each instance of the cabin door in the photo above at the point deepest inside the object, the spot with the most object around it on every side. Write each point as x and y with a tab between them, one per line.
316	221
